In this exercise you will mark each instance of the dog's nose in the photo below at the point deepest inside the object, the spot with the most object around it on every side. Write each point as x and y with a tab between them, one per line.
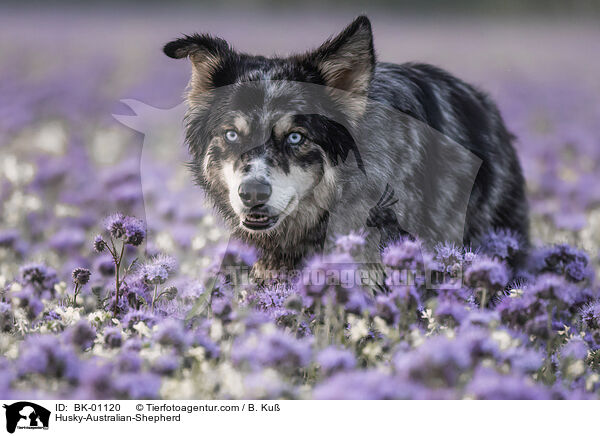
254	192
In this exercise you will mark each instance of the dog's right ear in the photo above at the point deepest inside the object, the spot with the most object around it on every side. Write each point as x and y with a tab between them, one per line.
206	53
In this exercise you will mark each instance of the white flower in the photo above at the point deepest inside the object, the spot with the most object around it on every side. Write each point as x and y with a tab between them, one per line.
216	330
358	328
142	329
576	369
381	325
69	315
591	381
372	350
197	353
99	317
504	340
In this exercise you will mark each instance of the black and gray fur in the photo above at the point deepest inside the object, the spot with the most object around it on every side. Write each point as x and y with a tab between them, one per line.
393	149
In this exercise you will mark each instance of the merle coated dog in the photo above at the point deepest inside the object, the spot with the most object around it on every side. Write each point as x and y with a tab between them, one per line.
295	150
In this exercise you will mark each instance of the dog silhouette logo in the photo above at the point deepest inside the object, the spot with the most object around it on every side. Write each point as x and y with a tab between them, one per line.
26	415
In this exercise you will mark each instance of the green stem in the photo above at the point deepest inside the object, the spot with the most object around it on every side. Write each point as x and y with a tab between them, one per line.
117	282
76	292
483	297
154	297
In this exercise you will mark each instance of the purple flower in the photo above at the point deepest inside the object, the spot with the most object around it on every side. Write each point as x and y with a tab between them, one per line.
554	289
590	315
45	355
275	349
480	318
51	315
370	385
166	365
274	301
128	361
404	254
450	258
7	375
114	224
387	309
359	302
128	228
538	326
221	308
135	231
81	276
201	339
333	359
501	243
523	360
8	238
440	361
469	255
132	344
448	253
122	307
113	337
576	348
332	278
29	300
564	259
138	292
41	277
487	273
407	295
171	333
450	310
490	385
99	244
516	311
96	381
68	240
135	316
157	269
11	240
82	335
138	386
577	270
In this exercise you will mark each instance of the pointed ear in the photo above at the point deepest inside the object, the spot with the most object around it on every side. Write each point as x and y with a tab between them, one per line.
207	55
347	61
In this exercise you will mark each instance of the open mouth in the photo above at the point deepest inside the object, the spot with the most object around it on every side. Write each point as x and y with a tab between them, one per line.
259	220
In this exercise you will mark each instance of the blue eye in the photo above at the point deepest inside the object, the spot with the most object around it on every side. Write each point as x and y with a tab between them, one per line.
231	136
295	138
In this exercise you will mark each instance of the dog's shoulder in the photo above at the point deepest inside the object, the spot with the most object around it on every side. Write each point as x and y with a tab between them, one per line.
424	91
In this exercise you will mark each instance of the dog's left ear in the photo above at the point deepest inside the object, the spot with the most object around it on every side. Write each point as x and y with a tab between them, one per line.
347	61
346	64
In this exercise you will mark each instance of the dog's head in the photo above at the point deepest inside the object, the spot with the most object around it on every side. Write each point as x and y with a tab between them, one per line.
266	134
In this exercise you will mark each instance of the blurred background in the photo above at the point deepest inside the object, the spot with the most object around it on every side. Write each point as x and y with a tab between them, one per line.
64	67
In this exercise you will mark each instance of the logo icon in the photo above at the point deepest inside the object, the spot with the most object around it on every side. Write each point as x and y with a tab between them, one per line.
26	415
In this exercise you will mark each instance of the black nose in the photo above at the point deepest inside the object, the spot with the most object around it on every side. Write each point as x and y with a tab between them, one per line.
254	192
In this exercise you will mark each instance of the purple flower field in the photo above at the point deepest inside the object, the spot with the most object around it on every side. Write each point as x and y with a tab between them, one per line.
110	261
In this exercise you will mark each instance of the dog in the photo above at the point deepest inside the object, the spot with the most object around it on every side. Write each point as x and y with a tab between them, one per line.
293	151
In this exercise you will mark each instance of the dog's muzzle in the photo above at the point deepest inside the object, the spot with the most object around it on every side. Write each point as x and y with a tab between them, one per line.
255	194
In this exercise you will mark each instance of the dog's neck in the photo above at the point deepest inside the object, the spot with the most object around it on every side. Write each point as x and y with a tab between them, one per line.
275	257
